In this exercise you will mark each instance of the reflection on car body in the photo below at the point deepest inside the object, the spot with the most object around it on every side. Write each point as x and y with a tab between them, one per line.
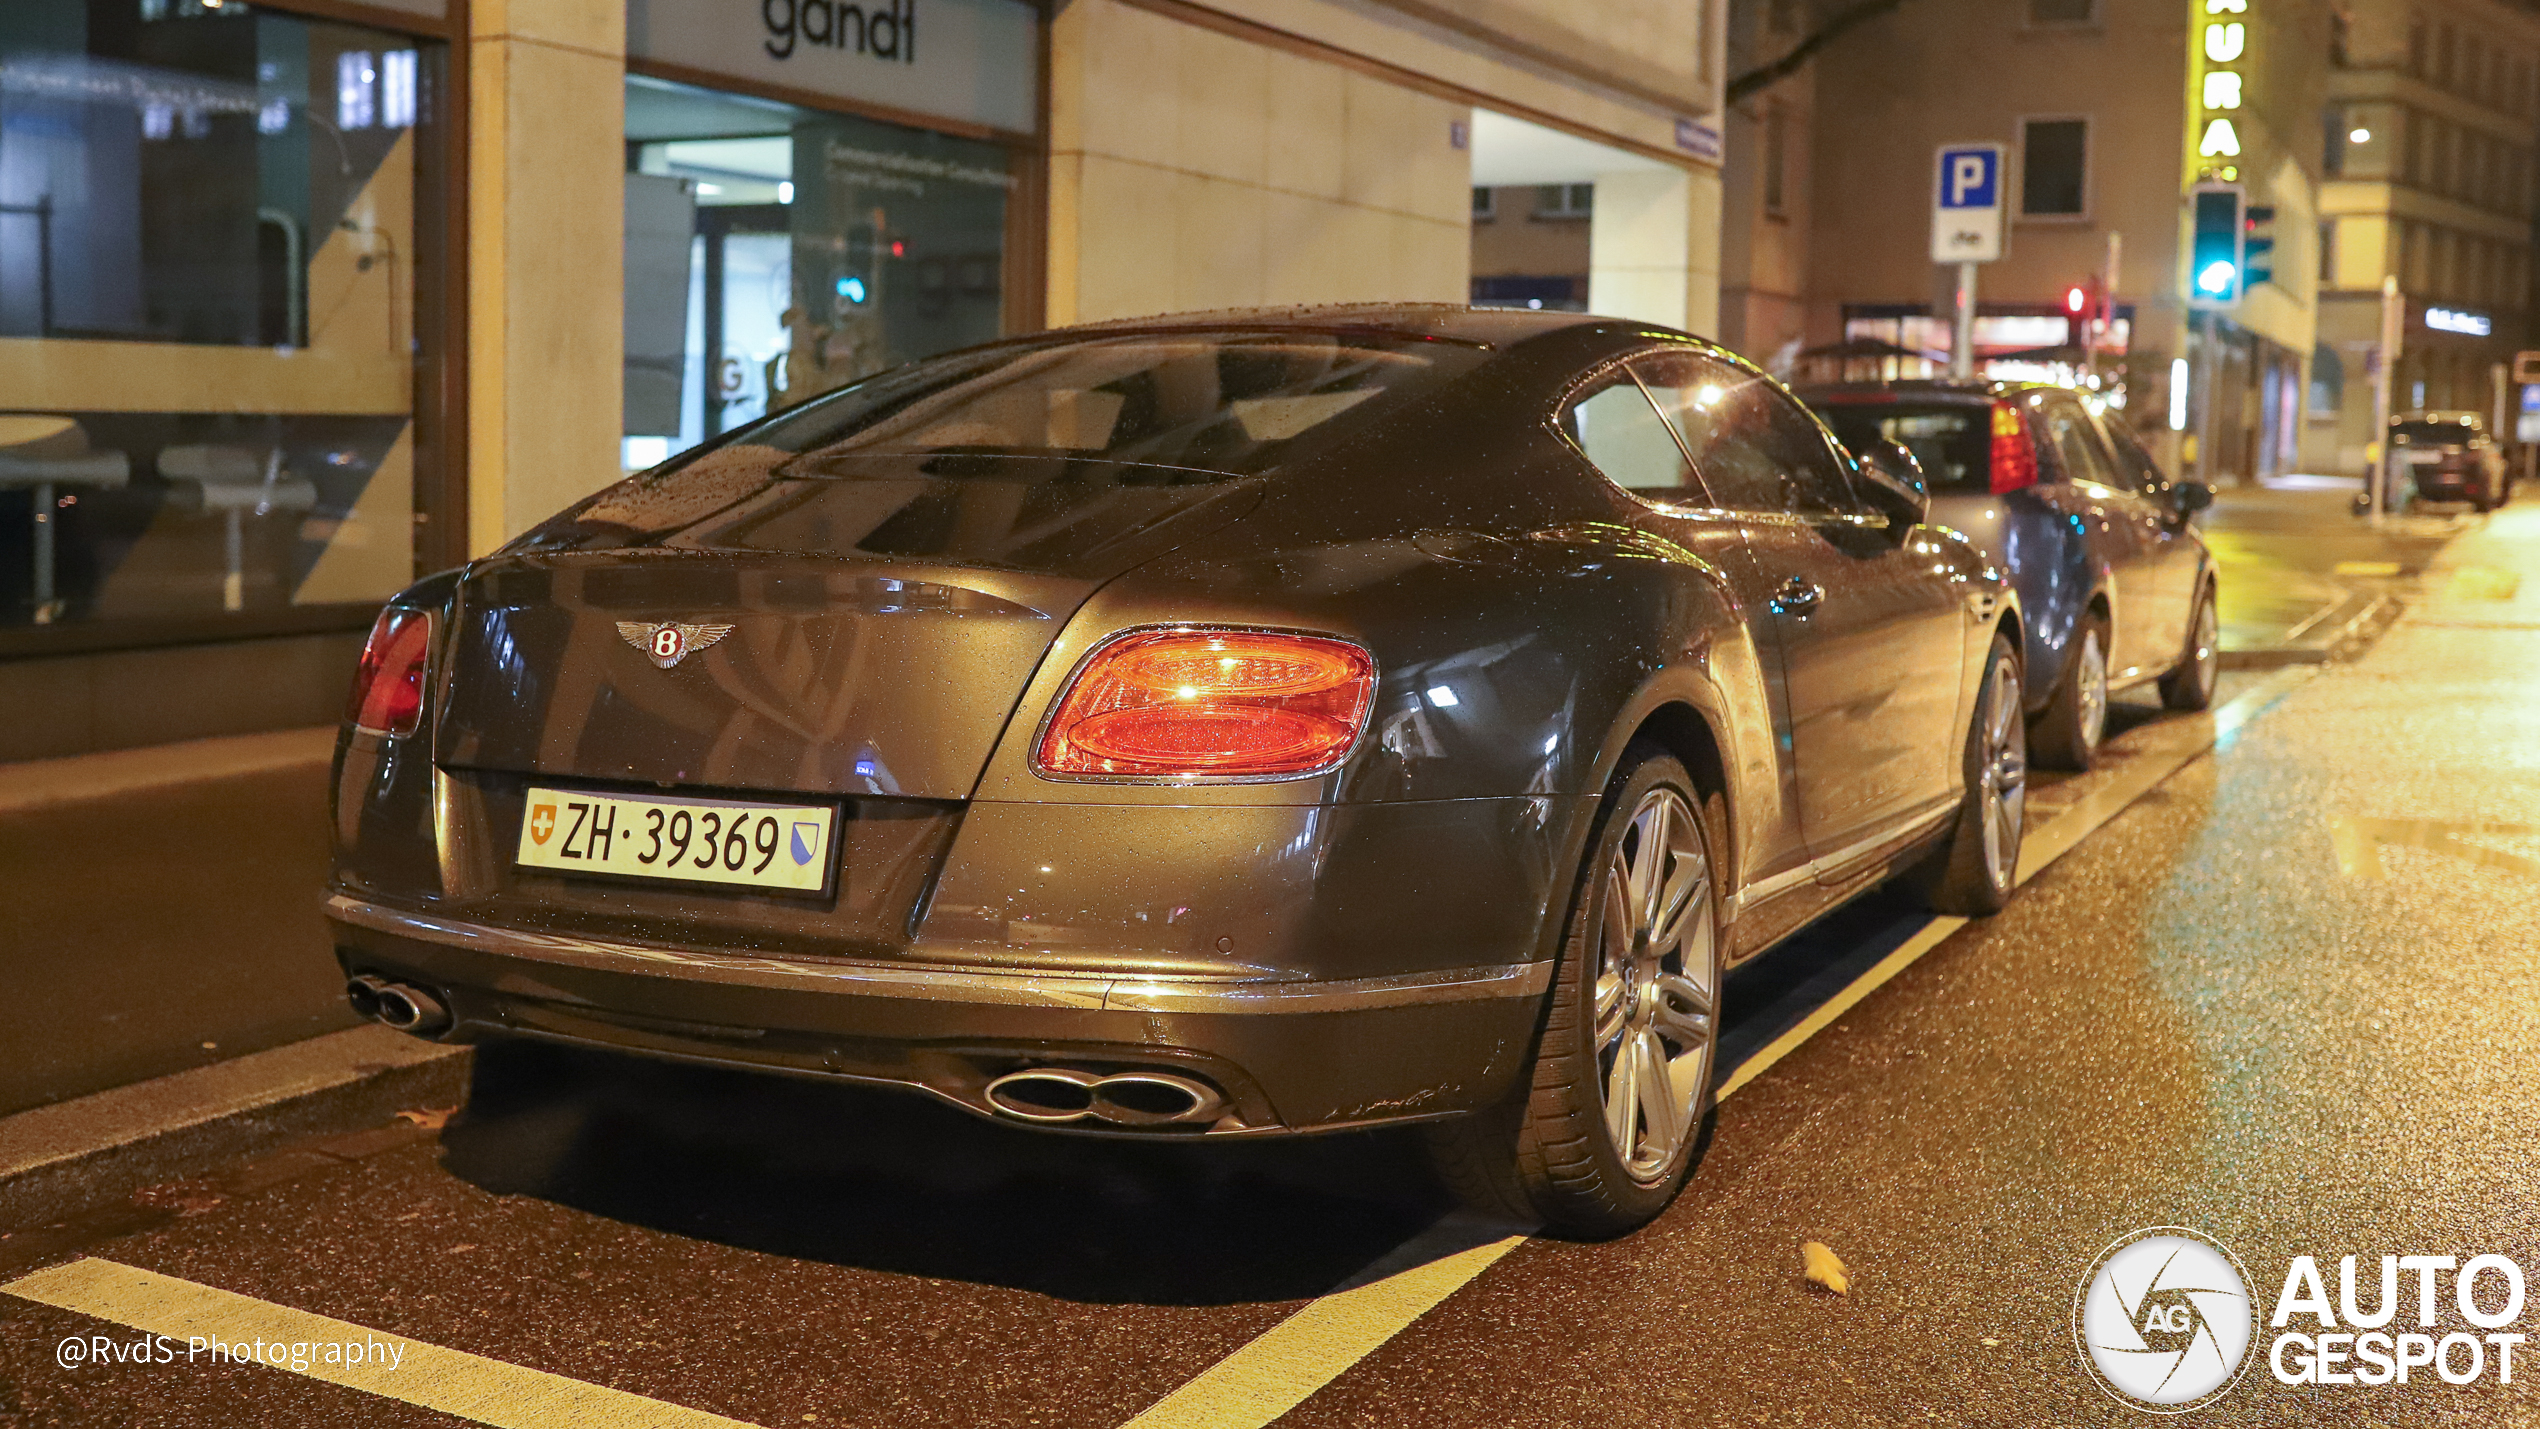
1249	724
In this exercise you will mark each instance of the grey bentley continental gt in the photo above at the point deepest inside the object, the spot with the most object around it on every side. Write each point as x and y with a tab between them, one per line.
1241	724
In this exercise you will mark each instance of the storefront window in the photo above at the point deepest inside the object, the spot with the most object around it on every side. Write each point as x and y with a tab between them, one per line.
210	258
774	253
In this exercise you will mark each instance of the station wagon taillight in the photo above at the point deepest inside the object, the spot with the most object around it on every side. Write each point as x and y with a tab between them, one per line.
388	686
2014	460
1209	704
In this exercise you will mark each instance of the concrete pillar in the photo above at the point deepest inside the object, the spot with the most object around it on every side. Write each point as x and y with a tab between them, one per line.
1653	252
546	181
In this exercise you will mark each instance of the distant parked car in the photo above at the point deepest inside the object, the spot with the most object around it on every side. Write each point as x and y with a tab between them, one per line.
2117	586
2447	456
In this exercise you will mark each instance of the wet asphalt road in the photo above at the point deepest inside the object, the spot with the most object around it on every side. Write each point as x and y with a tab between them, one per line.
2289	998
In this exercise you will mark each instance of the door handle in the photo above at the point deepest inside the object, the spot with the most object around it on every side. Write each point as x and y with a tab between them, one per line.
1796	597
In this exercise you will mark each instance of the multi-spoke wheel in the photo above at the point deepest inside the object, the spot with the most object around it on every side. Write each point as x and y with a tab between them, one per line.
1972	871
1610	1123
1655	989
2190	686
2067	734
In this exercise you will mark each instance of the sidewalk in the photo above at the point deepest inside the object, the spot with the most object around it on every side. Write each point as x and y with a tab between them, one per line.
162	911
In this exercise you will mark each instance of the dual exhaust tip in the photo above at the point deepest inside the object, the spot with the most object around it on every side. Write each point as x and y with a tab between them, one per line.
400	1005
1045	1096
1056	1096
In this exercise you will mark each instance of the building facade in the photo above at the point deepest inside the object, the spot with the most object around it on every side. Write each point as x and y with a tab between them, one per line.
1767	201
2427	142
2101	107
300	299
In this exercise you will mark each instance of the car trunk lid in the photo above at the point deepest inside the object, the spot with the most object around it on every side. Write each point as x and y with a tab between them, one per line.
868	635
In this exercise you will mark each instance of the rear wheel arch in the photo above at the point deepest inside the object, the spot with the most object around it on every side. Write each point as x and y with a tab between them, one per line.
1686	733
1677	715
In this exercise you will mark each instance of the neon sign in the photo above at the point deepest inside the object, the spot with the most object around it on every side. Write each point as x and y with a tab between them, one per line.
2454	320
2225	41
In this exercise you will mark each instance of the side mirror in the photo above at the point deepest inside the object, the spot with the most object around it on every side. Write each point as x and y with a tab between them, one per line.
2191	497
1893	482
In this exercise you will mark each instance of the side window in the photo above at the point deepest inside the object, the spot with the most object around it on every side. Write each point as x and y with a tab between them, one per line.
2077	447
2134	464
1617	428
1753	447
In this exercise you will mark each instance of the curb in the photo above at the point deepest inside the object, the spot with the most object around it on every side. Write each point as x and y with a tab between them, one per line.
59	1160
2336	634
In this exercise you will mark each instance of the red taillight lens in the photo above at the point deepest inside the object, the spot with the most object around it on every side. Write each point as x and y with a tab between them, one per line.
2014	460
1210	704
388	688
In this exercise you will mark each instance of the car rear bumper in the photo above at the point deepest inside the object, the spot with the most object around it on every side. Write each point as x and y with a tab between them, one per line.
2436	484
1287	1055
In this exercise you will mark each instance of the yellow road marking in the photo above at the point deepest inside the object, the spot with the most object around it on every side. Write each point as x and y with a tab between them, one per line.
469	1386
1278	1369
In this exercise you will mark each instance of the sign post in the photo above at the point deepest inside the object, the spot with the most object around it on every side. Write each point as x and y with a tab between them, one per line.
1966	229
2385	380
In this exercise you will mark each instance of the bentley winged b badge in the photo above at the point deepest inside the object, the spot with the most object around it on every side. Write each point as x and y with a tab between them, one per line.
667	645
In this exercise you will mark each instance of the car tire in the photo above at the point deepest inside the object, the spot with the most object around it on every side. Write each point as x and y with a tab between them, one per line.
1972	872
2189	686
2066	734
1578	1150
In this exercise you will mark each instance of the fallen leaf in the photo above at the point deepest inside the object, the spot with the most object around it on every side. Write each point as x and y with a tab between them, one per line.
429	1118
1823	1269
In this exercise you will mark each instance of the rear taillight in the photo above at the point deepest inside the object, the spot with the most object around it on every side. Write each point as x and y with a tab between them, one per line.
1209	704
2014	460
388	688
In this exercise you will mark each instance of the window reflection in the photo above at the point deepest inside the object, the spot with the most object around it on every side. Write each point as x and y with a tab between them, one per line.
208	341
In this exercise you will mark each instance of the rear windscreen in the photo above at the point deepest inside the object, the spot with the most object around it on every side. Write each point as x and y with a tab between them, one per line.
2432	434
1232	404
1041	454
1953	441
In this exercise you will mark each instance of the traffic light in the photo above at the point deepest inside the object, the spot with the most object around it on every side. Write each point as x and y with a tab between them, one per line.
2216	263
2257	245
2081	305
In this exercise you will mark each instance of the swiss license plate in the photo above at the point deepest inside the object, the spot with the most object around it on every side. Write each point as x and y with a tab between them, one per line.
726	841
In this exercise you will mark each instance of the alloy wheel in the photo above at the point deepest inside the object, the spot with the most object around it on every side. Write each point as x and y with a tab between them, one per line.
2004	774
2208	653
1657	986
2092	688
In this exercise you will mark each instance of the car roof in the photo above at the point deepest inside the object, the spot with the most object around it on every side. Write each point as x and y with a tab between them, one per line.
1453	322
1944	389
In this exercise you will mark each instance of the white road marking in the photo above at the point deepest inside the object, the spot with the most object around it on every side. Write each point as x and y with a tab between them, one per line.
469	1386
1278	1370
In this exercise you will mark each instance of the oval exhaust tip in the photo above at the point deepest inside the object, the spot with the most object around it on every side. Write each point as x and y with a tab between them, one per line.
1042	1094
411	1009
362	993
1155	1099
